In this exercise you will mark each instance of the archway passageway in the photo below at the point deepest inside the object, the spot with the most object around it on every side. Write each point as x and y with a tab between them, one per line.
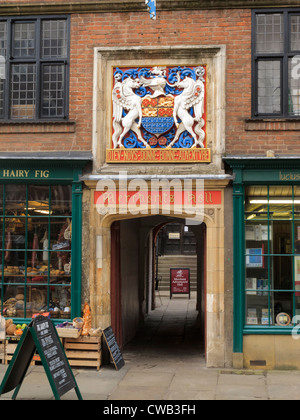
145	317
122	276
170	330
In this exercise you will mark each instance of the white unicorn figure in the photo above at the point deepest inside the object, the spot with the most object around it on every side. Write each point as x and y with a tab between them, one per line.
191	96
124	97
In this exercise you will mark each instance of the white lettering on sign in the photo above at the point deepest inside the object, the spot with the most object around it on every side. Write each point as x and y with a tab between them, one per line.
42	326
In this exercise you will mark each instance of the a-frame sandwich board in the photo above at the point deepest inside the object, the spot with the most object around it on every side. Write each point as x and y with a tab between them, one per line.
40	335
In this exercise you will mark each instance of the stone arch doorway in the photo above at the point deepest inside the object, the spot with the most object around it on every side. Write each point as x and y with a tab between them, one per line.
102	290
210	299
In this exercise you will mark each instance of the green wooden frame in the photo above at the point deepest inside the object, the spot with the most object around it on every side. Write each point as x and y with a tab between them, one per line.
59	171
253	171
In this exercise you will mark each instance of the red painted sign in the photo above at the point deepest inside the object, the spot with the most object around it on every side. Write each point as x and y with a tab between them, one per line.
179	281
161	155
157	197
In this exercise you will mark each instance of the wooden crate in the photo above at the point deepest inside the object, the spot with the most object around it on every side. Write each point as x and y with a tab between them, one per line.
68	332
10	346
2	350
83	351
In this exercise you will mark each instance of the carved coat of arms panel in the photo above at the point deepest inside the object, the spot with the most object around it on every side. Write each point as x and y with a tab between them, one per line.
159	114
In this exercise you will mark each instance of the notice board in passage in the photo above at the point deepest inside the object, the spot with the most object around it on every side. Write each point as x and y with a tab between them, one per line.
179	281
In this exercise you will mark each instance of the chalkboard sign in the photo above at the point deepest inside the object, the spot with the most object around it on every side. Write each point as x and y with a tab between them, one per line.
57	363
113	347
19	364
40	335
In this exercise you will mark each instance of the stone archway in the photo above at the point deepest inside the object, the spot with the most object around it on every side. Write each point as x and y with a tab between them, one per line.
100	269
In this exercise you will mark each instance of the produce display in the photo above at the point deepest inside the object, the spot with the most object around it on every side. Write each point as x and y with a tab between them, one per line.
12	329
87	319
65	325
80	349
32	271
36	300
79	326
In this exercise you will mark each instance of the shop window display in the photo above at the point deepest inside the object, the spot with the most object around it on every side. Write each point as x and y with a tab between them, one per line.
272	255
35	239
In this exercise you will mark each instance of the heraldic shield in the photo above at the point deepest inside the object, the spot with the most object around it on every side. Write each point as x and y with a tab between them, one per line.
157	118
158	108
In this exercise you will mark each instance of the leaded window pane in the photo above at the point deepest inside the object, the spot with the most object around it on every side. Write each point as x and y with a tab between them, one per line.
269	33
294	85
3	38
54	38
53	90
295	33
24	40
23	91
1	97
269	87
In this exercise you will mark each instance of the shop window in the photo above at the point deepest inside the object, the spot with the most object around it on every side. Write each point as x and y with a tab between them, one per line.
35	254
34	68
272	255
276	63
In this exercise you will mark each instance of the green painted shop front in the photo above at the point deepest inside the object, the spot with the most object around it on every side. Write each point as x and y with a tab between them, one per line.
266	254
40	236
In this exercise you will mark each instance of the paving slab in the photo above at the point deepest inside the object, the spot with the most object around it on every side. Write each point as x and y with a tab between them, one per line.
165	364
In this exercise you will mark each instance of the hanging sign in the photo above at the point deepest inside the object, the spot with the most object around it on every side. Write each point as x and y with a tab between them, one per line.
179	281
42	336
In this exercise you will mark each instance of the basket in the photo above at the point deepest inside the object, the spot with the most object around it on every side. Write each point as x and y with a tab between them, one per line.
68	332
95	332
78	322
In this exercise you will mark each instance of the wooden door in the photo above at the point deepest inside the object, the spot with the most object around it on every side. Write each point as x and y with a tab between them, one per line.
115	293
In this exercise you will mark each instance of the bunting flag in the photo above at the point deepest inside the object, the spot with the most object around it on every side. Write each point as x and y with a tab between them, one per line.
151	4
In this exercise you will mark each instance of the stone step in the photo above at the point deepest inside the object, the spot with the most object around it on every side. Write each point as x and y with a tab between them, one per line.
176	261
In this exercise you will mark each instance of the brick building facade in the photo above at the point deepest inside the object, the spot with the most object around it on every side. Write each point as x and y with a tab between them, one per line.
56	124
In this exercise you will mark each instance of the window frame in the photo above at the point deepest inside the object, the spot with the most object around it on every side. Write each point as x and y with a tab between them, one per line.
75	251
283	57
27	249
40	63
269	255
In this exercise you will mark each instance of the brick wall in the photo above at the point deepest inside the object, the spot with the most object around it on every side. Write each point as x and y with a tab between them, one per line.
202	27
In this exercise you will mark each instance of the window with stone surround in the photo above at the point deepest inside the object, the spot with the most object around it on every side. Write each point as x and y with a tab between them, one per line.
34	68
276	63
